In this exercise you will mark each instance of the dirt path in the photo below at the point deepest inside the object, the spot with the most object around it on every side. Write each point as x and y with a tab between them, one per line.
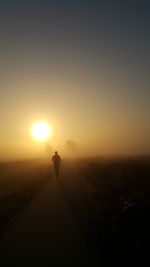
51	232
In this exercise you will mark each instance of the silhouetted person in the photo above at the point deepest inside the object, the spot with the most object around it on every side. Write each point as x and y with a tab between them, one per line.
56	160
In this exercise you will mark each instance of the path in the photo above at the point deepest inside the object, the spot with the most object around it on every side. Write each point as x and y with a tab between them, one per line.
51	231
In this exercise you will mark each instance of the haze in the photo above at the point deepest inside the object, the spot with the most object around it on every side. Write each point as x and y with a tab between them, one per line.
83	66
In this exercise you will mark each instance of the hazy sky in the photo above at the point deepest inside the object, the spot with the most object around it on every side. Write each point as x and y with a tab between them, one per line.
83	66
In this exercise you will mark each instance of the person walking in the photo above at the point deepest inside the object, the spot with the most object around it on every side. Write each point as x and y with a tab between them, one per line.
56	161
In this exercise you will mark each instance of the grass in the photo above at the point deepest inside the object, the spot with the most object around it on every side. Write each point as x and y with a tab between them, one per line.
117	194
19	184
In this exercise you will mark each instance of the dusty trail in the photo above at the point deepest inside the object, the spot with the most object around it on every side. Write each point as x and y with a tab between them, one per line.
52	231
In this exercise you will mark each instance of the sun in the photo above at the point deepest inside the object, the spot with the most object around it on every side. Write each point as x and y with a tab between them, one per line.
41	130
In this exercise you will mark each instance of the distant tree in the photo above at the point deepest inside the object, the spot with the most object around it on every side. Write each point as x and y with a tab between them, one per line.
71	145
49	148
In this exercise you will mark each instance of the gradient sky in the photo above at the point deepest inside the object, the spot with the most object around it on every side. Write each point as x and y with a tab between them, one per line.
83	66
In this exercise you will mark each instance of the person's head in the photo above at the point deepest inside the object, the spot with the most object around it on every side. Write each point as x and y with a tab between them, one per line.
56	153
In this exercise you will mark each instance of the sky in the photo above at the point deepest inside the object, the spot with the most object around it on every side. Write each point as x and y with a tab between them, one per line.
81	65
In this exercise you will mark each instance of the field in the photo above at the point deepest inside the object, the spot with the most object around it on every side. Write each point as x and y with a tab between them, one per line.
20	182
117	194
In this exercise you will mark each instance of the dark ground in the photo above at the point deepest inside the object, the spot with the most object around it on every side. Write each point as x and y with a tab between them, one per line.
116	194
20	183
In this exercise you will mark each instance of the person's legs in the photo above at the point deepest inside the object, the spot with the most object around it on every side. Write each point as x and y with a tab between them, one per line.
56	170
